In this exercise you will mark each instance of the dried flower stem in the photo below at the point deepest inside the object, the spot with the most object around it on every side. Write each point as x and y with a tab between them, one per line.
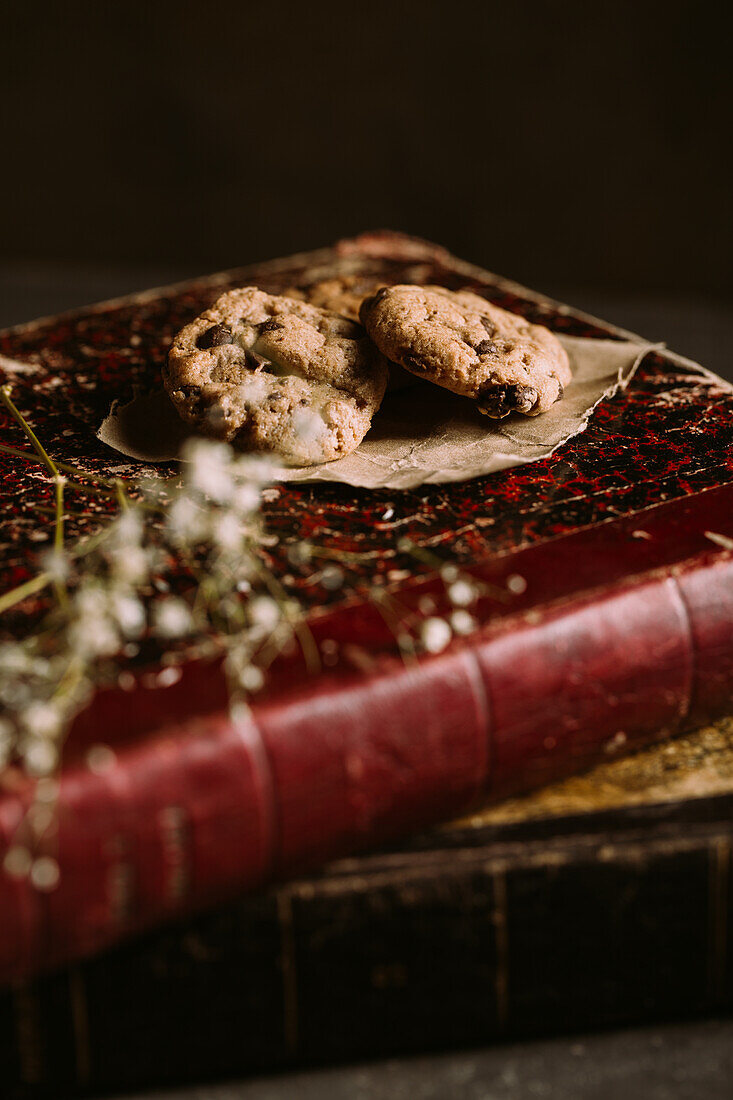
36	584
104	488
23	591
302	630
58	479
385	605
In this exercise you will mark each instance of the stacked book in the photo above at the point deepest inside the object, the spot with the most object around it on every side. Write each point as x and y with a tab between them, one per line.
239	891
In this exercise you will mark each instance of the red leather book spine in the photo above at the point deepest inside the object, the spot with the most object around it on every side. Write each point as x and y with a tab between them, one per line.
622	634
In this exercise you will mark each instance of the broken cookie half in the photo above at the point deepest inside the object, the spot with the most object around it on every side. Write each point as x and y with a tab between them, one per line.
277	376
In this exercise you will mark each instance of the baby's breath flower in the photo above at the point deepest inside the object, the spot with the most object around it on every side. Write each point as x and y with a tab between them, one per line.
57	564
15	660
462	622
435	635
299	553
127	528
461	593
209	469
185	520
246	498
516	584
39	756
45	873
250	678
93	634
100	759
257	469
18	862
41	720
308	425
128	613
264	612
90	600
172	618
130	564
121	583
332	578
227	532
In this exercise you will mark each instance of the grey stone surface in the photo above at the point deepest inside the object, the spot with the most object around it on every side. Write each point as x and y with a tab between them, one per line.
676	1062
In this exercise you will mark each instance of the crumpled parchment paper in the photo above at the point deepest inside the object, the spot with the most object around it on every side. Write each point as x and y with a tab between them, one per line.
422	434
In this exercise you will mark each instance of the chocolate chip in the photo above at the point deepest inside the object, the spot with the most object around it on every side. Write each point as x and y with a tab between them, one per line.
257	362
214	337
411	362
497	401
488	325
486	347
270	325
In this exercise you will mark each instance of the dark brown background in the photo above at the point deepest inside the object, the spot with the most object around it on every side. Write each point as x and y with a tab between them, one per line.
580	146
564	143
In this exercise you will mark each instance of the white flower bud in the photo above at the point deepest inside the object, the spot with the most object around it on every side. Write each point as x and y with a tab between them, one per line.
17	862
435	635
41	720
93	636
40	757
128	613
208	469
299	553
251	678
185	520
172	618
264	612
127	529
130	564
246	498
308	425
45	873
462	622
461	593
57	564
227	532
332	578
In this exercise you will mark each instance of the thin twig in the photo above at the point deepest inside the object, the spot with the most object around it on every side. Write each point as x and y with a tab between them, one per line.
22	591
36	584
302	630
111	488
53	469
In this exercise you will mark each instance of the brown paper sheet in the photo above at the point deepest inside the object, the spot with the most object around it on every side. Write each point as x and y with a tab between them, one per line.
422	434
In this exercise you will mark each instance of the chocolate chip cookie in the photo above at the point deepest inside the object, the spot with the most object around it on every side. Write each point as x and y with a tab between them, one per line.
342	294
274	375
462	342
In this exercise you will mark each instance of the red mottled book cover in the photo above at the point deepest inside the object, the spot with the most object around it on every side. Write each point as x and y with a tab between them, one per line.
605	621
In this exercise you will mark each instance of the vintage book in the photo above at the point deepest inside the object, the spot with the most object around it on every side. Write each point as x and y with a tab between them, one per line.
600	900
606	621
